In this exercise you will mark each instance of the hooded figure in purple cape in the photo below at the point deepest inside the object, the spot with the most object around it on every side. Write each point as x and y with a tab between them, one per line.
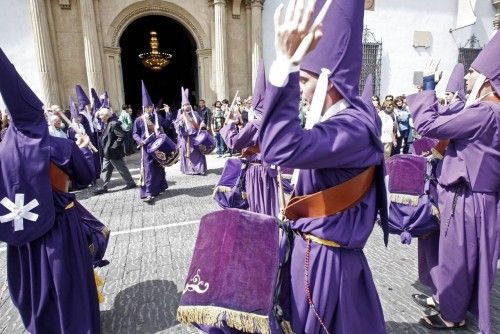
468	192
187	125
80	138
261	180
89	124
146	127
332	289
49	265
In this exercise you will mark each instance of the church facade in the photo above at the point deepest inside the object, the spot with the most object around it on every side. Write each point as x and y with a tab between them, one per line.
78	41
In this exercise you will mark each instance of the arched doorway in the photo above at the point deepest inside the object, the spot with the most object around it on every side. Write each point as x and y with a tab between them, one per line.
164	85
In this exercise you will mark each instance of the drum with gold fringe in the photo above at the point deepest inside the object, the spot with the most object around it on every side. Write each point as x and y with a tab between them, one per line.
234	274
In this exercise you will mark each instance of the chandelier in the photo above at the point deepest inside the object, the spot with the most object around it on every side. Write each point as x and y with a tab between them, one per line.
155	60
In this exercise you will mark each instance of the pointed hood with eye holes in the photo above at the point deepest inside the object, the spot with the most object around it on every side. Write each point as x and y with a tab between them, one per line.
456	83
259	91
487	62
26	204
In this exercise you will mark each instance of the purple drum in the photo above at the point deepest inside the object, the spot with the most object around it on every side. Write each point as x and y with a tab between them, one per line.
413	209
204	142
234	273
424	145
164	150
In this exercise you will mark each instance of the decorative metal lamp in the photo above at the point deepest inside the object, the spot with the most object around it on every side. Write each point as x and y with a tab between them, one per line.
155	60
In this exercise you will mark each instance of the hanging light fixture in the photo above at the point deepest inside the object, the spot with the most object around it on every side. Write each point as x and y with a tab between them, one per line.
155	60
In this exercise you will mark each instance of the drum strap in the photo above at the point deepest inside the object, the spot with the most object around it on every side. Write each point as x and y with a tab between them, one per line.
249	151
284	268
332	200
440	148
58	178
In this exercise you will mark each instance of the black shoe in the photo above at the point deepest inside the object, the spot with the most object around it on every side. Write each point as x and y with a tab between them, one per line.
422	300
436	322
148	199
129	186
100	191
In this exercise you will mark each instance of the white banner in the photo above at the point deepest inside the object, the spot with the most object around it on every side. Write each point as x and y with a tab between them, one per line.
465	15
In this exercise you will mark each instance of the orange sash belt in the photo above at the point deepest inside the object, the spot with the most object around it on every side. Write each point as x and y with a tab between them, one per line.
332	200
58	178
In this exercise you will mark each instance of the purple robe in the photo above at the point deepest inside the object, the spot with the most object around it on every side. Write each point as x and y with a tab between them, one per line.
261	182
89	157
428	246
330	153
94	139
154	177
469	204
193	162
51	279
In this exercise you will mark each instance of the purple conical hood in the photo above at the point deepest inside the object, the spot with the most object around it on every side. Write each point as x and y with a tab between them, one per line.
24	162
105	100
96	99
184	96
26	109
340	49
487	62
259	90
82	98
368	90
456	82
72	108
146	100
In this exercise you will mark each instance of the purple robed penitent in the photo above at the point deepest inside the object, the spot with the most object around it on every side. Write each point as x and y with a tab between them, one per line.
154	177
89	155
469	198
261	180
49	264
332	152
87	122
193	162
428	245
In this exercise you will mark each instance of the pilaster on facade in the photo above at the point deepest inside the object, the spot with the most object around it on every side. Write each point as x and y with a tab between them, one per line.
93	61
44	53
256	12
220	49
496	20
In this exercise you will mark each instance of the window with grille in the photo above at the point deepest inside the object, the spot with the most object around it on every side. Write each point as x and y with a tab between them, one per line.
372	61
469	52
467	55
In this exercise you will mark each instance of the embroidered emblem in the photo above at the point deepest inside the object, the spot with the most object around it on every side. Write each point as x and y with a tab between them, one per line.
160	155
197	286
19	211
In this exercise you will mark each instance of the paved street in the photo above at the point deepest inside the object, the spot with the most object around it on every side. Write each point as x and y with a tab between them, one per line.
150	250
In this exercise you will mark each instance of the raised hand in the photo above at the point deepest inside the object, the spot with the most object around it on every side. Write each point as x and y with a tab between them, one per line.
296	34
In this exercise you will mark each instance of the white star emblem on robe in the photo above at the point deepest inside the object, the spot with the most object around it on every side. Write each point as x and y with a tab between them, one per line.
19	211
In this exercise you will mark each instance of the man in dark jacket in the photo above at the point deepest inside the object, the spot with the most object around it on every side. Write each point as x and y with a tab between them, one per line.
112	141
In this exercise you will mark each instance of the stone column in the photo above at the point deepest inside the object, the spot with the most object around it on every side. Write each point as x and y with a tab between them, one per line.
91	46
44	53
113	78
248	24
220	48
256	36
204	74
496	21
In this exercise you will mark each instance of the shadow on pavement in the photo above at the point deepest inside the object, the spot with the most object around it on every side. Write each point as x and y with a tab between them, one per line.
146	307
200	191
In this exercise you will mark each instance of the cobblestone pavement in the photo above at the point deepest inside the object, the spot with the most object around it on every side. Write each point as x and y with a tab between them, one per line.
150	250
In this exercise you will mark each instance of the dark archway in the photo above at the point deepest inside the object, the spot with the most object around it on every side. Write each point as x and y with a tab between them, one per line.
165	84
